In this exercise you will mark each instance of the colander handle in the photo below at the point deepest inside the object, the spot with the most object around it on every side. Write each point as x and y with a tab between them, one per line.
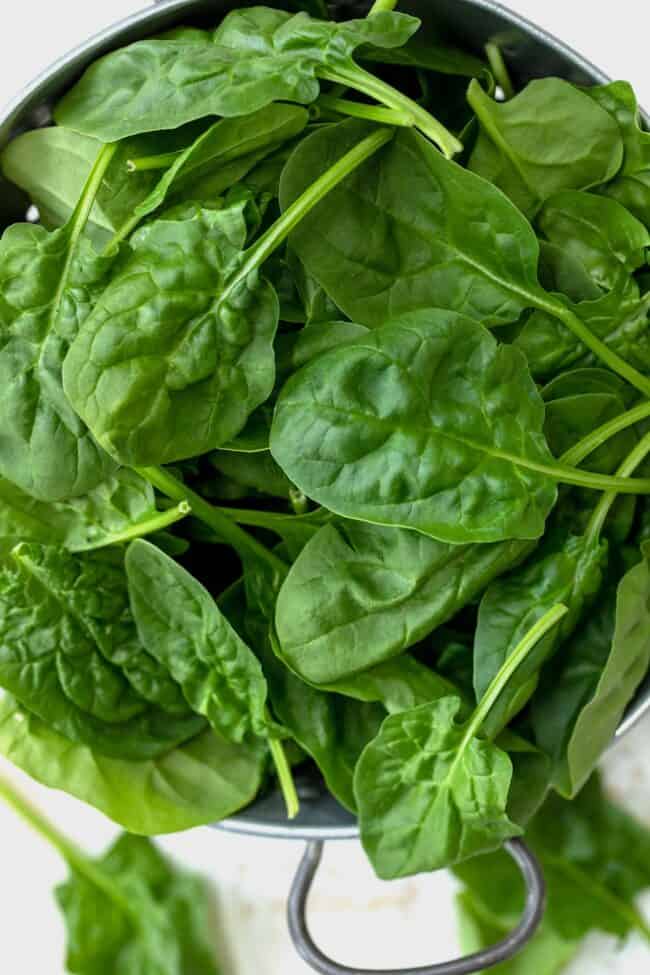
502	951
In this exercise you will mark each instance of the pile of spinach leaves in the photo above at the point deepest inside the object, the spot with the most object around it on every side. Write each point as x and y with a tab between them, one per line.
381	412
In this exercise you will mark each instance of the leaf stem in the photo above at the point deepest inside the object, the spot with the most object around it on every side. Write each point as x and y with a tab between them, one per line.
356	77
579	478
147	163
611	358
576	454
243	543
74	857
508	668
265	245
374	113
80	219
158	522
603	507
381	5
499	69
285	777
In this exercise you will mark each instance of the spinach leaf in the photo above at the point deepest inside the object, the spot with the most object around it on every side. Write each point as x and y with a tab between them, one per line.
385	244
571	574
255	57
177	354
595	858
253	469
70	654
48	283
618	318
430	791
416	788
181	626
359	594
631	185
528	146
374	430
53	165
296	349
121	504
217	159
546	954
600	233
584	693
198	783
132	911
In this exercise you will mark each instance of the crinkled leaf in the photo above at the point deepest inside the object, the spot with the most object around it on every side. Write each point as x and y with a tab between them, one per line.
631	186
169	364
70	654
120	502
428	424
48	285
426	800
182	627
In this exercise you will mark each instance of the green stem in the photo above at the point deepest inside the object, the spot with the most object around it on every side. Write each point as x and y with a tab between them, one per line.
243	543
74	857
80	219
285	777
356	77
579	879
156	523
273	520
506	671
576	454
147	163
499	69
578	478
611	359
265	245
374	113
603	507
381	5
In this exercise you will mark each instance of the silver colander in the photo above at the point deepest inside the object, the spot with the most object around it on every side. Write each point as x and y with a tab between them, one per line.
531	53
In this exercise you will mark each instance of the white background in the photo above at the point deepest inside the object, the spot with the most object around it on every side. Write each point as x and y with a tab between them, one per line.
354	916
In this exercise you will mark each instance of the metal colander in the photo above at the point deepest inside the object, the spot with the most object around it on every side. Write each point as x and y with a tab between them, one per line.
530	53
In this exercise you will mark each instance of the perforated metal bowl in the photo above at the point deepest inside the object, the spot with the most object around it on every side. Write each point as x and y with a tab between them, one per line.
530	53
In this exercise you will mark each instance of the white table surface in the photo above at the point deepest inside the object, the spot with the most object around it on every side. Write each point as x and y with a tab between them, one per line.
361	920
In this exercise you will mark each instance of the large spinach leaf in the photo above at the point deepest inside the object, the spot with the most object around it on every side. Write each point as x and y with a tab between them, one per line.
359	594
178	352
196	784
389	429
255	57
